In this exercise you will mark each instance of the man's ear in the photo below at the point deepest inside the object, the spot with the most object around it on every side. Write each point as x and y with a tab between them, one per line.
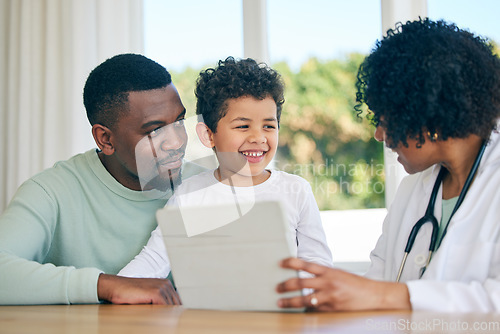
102	137
205	134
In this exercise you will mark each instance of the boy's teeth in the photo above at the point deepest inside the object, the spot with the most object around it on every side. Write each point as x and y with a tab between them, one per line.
253	154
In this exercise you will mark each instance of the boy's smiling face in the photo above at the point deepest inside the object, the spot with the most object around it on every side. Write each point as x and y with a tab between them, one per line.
246	138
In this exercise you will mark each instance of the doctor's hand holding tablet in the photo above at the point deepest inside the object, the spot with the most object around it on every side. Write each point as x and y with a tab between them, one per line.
433	93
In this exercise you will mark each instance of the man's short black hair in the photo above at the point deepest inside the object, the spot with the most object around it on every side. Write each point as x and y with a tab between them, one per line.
433	77
232	79
105	94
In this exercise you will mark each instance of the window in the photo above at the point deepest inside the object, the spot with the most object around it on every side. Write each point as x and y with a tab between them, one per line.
479	17
187	36
317	46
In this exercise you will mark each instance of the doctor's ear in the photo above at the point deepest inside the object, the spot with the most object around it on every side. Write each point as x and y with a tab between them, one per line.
205	134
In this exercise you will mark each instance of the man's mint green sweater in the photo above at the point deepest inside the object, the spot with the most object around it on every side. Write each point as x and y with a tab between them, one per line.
65	226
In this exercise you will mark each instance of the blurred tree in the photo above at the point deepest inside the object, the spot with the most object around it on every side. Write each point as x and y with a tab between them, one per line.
496	48
323	140
185	82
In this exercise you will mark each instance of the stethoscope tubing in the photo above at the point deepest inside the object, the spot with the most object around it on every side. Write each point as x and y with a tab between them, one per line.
429	214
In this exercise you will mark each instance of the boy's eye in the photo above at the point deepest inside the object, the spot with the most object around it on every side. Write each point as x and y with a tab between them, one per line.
269	127
242	127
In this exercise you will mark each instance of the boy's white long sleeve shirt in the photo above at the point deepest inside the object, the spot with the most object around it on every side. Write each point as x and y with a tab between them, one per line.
295	194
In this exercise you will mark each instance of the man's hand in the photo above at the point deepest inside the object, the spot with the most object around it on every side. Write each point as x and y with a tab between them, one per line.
124	290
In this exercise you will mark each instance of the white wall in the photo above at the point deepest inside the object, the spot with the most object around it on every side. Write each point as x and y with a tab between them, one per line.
352	235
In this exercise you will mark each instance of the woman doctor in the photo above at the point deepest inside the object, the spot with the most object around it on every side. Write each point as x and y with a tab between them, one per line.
433	91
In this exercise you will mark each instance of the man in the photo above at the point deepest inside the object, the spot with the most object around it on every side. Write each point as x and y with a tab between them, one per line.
69	229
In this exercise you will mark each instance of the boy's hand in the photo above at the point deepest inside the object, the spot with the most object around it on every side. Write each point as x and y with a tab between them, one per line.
125	290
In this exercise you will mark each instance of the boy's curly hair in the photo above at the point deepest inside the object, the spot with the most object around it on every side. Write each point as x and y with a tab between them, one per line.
232	79
433	77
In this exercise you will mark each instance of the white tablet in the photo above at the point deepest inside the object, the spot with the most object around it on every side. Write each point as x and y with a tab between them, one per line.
228	261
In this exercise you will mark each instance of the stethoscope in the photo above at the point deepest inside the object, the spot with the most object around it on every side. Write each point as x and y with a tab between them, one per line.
430	218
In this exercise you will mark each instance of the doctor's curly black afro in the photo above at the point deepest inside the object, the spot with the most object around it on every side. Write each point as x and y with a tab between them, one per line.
430	77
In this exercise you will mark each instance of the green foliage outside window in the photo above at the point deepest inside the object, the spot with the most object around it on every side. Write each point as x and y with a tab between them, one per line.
323	140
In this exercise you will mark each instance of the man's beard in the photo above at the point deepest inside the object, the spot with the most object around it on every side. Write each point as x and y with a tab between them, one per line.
164	181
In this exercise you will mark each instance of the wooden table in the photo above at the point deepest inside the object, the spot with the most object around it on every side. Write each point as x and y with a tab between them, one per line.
150	319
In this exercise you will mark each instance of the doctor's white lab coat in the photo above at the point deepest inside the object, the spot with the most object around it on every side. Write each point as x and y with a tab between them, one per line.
464	273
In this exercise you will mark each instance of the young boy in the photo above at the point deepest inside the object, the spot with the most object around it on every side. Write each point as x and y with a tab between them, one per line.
240	104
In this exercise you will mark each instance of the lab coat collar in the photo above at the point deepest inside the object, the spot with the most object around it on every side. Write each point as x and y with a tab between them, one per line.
491	155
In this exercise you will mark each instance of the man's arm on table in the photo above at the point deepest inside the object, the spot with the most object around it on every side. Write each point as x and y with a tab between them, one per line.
26	232
124	290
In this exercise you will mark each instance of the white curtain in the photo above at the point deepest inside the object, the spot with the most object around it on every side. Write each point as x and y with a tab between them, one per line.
47	49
